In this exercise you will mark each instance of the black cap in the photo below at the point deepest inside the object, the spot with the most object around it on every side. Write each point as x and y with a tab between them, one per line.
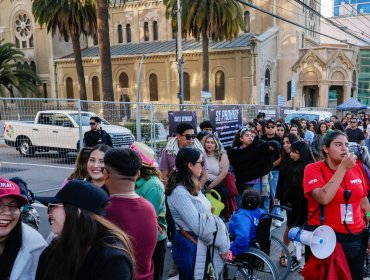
81	194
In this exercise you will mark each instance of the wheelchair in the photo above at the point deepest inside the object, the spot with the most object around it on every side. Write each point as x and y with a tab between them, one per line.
262	260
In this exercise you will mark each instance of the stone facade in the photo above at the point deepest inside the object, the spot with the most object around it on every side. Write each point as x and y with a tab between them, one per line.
257	73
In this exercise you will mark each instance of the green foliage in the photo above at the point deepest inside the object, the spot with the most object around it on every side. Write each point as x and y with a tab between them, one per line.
15	74
221	19
66	16
145	130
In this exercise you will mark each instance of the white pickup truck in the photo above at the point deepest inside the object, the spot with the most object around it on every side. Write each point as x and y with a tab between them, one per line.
58	131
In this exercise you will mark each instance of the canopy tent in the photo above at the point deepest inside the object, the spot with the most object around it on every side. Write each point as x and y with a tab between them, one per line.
351	104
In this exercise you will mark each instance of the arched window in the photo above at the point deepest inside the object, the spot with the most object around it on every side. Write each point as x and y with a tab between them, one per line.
267	99
120	34
247	22
174	32
155	31
123	80
186	86
267	78
95	88
146	31
69	88
95	39
128	33
33	66
153	87
220	85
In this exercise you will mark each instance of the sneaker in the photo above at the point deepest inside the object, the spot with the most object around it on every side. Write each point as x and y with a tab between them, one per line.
277	223
169	244
173	271
295	264
301	269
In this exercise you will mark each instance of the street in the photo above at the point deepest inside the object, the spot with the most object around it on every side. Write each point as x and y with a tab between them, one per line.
44	174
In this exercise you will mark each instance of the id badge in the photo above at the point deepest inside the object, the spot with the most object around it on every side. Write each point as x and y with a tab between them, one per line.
346	213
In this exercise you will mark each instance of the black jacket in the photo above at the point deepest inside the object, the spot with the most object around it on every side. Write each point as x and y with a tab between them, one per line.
254	161
93	138
102	262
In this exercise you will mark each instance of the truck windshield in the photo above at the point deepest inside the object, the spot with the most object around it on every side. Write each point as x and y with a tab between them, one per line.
85	118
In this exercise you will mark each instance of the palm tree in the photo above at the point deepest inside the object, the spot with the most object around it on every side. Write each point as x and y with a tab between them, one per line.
70	19
216	19
15	74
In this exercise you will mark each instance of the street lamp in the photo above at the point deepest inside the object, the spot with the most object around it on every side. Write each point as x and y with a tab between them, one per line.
180	60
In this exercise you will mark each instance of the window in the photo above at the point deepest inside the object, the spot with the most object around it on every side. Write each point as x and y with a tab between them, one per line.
95	39
155	31
289	91
120	34
23	31
62	120
69	88
95	88
46	118
267	78
123	80
45	90
247	22
220	85
33	66
128	33
146	31
186	86
153	87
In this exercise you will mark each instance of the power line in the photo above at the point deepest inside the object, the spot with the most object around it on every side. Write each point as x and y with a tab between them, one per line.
293	23
361	14
331	22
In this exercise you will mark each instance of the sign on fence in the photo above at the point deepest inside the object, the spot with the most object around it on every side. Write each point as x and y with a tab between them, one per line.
176	117
226	119
270	112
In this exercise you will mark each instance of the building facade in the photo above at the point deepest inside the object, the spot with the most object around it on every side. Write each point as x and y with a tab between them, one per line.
350	7
257	67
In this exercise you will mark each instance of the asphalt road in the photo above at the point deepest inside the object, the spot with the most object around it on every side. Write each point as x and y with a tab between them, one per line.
44	174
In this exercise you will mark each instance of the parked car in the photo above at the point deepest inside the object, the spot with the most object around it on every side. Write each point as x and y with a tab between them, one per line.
308	115
58	131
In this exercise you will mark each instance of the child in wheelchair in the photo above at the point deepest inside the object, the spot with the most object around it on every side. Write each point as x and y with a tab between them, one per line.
243	224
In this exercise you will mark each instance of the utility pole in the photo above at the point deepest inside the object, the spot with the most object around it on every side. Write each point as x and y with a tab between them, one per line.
138	109
180	60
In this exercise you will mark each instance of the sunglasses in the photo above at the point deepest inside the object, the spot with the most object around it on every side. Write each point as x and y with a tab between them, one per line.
189	136
51	206
270	126
243	130
201	163
353	122
93	123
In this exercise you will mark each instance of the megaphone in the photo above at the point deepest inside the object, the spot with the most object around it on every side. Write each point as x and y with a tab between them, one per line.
322	240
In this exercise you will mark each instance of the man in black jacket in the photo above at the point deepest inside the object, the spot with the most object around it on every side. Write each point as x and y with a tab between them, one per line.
96	135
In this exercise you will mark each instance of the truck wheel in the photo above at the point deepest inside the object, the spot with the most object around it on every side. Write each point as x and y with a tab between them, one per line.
25	147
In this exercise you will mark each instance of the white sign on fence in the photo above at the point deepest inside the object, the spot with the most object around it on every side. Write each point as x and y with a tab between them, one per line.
294	88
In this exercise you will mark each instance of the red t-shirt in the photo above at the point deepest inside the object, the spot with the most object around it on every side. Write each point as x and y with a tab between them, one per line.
316	175
137	218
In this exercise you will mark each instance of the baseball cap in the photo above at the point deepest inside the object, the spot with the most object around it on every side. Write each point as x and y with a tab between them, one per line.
81	194
146	153
9	188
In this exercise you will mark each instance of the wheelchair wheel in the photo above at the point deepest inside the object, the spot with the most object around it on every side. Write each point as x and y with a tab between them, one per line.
253	264
276	247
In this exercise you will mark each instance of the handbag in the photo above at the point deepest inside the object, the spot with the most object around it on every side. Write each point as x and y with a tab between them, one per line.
229	182
215	199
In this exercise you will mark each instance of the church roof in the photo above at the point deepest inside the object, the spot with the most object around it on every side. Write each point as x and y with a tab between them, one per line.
151	47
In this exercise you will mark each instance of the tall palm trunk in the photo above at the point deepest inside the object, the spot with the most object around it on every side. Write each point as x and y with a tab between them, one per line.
205	58
79	67
102	15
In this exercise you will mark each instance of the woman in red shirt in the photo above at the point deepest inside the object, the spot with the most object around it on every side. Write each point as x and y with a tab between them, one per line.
337	183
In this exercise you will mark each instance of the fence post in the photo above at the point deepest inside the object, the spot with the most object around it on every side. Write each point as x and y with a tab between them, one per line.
80	125
153	134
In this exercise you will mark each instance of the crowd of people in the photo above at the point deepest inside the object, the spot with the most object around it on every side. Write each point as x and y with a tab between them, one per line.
119	210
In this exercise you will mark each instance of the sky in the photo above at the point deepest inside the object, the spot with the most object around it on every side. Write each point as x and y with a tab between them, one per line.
327	8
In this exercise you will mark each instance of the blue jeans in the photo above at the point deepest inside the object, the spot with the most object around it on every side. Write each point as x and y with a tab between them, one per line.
273	185
184	253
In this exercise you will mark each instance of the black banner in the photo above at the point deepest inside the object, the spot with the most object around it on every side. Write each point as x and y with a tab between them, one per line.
176	117
227	119
270	112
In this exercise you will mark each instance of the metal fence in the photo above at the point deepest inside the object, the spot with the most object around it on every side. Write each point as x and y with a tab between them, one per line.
50	130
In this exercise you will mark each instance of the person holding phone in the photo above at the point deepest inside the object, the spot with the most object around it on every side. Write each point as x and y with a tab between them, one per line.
96	135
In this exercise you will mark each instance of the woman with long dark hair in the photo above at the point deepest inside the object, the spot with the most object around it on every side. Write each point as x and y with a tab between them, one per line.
317	141
95	164
337	184
88	246
20	245
186	203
